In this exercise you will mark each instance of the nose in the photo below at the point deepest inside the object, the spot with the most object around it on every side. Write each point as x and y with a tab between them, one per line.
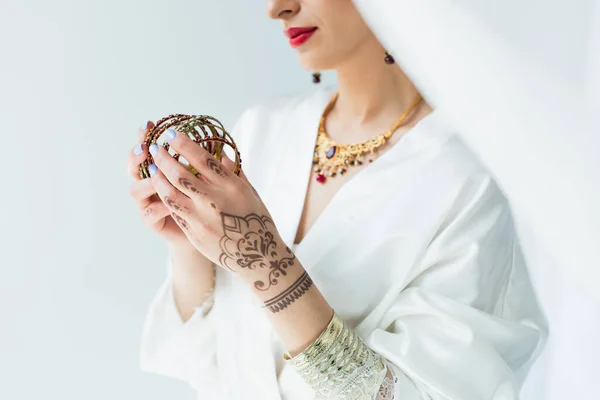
282	9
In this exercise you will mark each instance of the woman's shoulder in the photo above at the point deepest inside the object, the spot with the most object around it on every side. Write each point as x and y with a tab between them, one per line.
445	165
439	150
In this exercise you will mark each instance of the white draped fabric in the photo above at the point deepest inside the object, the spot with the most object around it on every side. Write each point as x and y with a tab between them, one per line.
521	90
427	271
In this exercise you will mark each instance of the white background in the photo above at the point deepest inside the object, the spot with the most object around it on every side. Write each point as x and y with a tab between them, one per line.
77	79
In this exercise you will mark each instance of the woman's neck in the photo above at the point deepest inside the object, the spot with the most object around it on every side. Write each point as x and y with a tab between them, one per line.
371	90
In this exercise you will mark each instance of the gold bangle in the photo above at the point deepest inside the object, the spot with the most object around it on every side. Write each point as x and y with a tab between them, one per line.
339	365
204	130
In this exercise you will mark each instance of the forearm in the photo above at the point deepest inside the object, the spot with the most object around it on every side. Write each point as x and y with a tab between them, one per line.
295	307
325	352
300	314
193	279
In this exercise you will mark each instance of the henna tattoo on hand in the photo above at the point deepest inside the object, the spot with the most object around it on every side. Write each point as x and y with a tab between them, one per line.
215	167
249	242
147	211
188	185
174	205
291	294
180	221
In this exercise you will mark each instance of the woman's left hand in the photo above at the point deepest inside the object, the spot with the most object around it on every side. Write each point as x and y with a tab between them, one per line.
220	212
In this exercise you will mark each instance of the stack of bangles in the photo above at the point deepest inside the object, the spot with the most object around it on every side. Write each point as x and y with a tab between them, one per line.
339	365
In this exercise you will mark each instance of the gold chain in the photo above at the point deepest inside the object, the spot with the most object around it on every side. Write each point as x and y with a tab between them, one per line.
332	158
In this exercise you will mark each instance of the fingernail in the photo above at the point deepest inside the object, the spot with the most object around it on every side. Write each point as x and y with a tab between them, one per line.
153	149
152	168
145	125
170	134
137	150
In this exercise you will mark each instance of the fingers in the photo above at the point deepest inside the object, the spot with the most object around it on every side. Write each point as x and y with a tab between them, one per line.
229	164
143	131
137	155
177	174
202	160
142	191
171	196
154	213
152	208
139	152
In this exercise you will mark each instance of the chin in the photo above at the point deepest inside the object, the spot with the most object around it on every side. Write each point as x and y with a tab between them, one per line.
312	61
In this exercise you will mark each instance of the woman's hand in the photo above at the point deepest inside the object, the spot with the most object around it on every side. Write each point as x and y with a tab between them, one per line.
220	213
192	273
154	213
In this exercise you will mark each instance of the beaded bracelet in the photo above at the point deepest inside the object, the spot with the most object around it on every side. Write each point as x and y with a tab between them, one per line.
205	130
339	365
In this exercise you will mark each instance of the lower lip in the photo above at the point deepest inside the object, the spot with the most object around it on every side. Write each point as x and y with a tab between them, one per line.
301	39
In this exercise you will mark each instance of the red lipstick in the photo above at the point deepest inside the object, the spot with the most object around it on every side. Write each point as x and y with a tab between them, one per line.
298	36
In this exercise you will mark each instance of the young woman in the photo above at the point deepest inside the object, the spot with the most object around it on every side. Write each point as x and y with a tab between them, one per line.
363	252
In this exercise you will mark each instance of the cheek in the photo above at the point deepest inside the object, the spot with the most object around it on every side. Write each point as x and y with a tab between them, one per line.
349	30
342	31
332	48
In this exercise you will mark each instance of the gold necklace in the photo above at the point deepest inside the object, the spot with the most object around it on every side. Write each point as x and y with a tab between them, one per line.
332	158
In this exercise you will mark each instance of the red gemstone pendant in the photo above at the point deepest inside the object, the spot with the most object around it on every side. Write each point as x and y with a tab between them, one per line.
321	178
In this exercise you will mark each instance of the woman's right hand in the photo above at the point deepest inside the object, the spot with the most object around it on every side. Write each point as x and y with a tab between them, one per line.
153	211
193	275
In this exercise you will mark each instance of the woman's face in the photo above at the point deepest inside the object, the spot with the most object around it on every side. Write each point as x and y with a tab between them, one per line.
324	32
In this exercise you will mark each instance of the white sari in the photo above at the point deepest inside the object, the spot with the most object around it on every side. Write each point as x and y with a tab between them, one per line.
495	81
417	252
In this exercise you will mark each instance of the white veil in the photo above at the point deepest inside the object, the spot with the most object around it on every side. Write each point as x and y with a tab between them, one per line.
520	82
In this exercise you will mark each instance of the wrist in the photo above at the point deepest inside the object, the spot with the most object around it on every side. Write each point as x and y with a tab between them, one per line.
266	283
277	289
188	258
182	248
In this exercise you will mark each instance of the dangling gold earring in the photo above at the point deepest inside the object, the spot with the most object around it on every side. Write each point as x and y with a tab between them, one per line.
388	58
316	77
